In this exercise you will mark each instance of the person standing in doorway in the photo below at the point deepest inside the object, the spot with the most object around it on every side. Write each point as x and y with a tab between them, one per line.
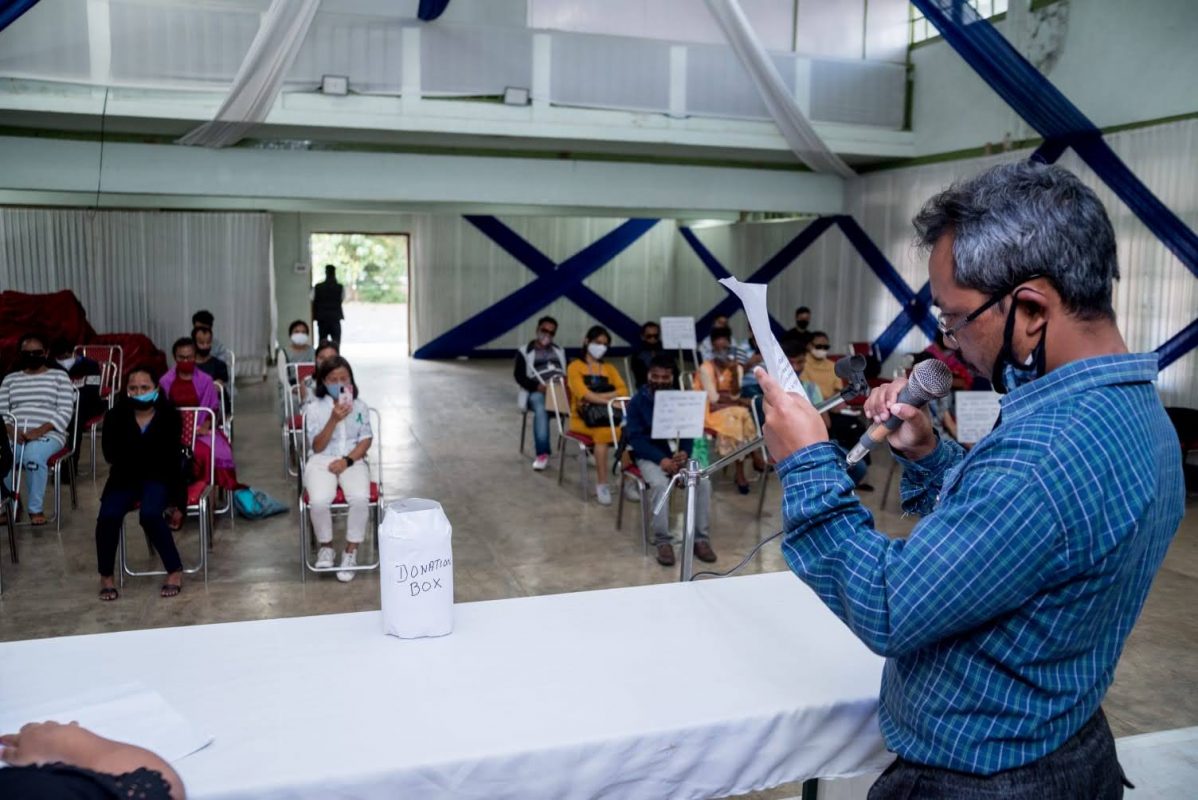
326	305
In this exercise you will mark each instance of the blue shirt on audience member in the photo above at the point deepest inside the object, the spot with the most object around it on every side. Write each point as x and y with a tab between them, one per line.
638	430
1003	614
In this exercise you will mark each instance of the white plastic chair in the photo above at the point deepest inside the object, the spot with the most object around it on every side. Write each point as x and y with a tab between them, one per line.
584	443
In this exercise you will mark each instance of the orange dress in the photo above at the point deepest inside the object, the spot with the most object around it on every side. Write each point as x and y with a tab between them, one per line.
576	380
733	425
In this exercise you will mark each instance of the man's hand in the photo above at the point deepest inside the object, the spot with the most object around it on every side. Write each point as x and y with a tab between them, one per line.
542	388
680	459
791	422
669	465
338	466
915	438
22	437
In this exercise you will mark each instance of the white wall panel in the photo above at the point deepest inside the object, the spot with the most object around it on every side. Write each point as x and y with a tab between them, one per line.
147	272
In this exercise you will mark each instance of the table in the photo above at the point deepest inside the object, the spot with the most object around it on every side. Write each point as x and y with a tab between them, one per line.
671	691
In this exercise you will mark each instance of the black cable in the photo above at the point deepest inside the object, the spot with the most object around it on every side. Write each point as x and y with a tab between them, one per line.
744	561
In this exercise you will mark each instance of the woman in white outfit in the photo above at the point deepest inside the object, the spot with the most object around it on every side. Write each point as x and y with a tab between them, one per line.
338	429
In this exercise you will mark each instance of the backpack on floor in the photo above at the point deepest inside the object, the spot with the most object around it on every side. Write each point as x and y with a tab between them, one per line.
254	503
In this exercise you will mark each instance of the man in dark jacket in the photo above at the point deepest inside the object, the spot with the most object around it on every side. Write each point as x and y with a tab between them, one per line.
537	364
326	305
649	346
659	459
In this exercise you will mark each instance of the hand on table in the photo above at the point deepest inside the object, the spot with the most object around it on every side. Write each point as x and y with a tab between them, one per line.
44	743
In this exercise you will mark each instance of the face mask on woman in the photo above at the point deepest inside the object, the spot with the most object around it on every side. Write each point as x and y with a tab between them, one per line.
336	390
66	363
596	350
144	401
820	353
31	359
544	339
299	339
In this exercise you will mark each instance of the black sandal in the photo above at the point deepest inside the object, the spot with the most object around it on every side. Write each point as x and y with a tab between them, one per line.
170	590
108	594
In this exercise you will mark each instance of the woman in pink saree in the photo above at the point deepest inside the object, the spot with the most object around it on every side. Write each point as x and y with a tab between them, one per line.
187	386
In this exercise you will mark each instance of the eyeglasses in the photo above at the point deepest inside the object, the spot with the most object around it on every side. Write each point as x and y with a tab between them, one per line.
547	331
950	334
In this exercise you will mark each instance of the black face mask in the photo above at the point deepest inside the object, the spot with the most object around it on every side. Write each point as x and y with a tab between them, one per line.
802	324
1006	361
203	351
31	360
654	388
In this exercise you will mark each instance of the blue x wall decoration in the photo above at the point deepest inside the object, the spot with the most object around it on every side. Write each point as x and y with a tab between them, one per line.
915	305
1062	125
552	281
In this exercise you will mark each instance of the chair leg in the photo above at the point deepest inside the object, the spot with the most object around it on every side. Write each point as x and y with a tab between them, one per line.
93	456
72	477
582	475
12	529
122	561
765	479
646	516
620	504
58	497
561	459
523	430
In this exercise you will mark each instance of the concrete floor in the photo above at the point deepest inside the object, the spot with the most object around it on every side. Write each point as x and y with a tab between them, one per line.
450	433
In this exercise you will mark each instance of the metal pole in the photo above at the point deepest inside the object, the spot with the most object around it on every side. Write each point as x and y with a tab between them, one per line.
693	474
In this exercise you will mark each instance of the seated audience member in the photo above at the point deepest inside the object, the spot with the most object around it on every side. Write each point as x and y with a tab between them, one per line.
212	366
962	376
52	761
141	440
820	369
327	349
187	387
538	363
299	344
802	323
204	319
592	382
658	460
646	349
706	346
727	412
43	401
748	356
85	375
339	434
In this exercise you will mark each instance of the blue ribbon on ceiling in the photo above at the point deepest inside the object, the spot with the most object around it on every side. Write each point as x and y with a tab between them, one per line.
429	10
11	11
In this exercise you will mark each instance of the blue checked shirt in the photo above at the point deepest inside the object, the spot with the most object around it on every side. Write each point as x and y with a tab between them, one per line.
1003	614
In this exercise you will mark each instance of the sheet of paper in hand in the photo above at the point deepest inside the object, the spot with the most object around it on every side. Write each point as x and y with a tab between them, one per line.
678	415
976	413
752	297
678	333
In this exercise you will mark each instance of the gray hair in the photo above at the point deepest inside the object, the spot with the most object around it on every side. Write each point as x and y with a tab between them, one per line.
1018	220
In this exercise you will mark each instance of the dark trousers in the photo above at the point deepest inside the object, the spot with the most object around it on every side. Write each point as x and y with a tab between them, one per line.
329	329
1083	768
116	502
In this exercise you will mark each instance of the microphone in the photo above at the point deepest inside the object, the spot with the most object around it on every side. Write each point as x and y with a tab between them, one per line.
851	370
929	380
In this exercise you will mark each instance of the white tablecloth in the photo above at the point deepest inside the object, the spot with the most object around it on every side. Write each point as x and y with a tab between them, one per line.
672	691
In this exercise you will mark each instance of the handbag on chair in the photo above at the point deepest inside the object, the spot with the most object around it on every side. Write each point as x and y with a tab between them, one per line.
594	415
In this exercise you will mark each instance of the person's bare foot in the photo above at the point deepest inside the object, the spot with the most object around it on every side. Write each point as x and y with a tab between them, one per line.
172	585
108	591
37	519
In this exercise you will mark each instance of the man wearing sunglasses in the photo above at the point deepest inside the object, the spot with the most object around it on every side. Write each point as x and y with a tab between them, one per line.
537	364
1002	615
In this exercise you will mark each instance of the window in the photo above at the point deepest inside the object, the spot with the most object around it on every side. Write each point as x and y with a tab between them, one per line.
922	30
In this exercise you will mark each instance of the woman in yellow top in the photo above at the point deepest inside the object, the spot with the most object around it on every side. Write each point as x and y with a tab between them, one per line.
594	381
727	412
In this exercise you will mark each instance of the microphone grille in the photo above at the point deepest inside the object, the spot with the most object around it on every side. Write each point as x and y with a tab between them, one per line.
929	379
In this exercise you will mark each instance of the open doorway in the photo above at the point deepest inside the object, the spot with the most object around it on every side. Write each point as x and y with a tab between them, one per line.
373	268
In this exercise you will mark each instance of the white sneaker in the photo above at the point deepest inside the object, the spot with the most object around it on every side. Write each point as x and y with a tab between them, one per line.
324	557
348	559
603	493
540	463
632	492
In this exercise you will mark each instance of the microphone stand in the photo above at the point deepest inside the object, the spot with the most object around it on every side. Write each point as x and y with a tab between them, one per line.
692	473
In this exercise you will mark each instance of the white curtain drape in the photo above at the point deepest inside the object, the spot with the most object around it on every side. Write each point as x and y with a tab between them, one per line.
147	272
261	75
785	111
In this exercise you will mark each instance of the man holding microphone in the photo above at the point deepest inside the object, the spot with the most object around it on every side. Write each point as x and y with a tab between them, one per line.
1002	616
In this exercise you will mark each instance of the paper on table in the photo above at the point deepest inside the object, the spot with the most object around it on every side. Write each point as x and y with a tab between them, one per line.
752	297
130	713
678	415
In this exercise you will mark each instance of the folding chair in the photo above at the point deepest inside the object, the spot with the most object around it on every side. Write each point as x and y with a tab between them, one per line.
54	464
293	378
92	426
232	365
584	443
106	354
524	427
629	471
8	502
339	507
199	502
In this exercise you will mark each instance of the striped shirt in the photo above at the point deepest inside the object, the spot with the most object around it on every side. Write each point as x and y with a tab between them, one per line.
48	397
1003	614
